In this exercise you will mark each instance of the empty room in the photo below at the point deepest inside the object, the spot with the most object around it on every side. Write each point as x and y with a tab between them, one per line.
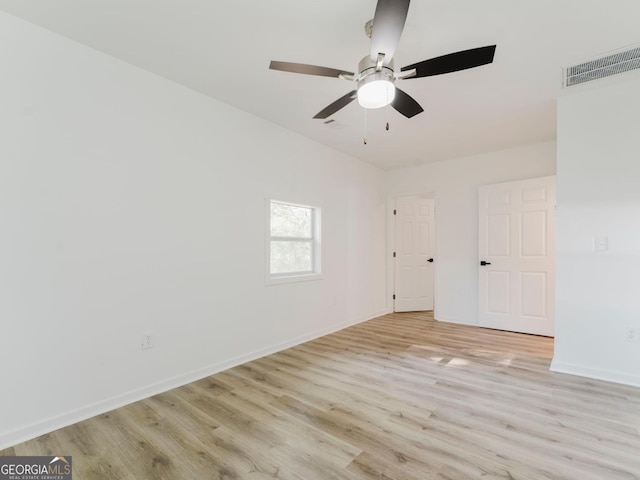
375	239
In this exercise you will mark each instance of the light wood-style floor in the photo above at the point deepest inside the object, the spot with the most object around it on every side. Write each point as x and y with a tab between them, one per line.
400	397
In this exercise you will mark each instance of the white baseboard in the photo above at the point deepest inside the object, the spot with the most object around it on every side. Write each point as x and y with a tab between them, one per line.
596	373
14	437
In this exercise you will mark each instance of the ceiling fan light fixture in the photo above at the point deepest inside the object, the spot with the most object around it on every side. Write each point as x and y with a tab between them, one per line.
376	90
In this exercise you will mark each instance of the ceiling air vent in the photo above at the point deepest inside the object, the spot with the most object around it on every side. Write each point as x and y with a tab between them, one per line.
614	63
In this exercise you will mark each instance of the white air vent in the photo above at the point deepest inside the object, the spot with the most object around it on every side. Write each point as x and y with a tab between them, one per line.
604	66
333	124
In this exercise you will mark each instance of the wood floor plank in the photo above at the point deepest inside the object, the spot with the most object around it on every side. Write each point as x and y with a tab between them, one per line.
400	397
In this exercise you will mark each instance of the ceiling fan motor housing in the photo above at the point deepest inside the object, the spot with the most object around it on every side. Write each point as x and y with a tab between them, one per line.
367	67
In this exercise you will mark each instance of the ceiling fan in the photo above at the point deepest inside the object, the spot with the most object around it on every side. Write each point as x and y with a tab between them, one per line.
375	80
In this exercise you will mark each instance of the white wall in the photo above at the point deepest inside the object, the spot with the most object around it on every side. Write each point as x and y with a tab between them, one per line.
454	184
131	204
598	294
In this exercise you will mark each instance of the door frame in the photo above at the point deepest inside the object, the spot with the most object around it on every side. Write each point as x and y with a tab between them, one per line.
391	246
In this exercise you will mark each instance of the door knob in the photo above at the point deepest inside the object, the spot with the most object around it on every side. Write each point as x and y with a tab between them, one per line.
430	260
483	263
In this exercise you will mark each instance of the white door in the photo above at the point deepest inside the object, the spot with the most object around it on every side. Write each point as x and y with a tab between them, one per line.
414	254
517	256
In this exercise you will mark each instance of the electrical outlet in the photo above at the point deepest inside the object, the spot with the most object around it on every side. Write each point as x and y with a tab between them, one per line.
633	335
147	341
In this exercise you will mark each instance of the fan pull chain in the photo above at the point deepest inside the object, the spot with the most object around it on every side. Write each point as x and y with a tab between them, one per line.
365	126
388	102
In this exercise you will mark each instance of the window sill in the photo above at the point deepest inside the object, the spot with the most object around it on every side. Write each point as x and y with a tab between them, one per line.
293	279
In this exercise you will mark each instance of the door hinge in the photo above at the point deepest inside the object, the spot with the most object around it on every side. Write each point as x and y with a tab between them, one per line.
394	296
394	254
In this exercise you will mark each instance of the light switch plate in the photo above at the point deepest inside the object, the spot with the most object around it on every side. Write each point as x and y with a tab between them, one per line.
600	244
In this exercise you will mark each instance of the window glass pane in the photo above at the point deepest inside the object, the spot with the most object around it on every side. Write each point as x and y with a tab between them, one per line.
291	221
290	257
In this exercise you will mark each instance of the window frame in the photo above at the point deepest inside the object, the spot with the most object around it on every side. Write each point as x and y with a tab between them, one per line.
315	242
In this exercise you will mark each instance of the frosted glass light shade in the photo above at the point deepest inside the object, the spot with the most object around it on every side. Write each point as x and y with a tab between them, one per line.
376	93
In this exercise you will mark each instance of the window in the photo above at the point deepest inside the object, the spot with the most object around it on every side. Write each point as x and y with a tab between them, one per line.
294	242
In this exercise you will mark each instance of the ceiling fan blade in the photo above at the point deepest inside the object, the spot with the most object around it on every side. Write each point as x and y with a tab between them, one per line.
388	24
307	69
337	105
405	104
453	62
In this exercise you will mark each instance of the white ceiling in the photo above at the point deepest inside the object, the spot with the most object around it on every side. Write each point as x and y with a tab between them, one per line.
223	47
